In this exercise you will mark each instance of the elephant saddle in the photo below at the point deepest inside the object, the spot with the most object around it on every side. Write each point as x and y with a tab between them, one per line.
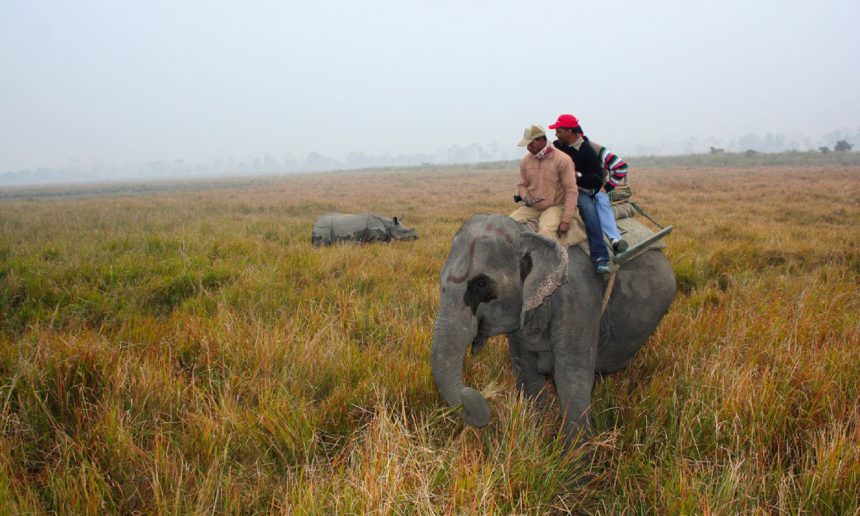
625	217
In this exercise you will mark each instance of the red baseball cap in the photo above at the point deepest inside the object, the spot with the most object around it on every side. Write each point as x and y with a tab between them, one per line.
565	121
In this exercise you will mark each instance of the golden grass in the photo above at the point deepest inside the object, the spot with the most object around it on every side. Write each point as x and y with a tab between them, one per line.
190	351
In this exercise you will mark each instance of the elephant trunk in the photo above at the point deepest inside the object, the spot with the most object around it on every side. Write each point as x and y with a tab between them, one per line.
451	338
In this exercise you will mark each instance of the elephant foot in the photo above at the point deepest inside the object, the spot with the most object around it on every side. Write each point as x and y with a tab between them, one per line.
577	435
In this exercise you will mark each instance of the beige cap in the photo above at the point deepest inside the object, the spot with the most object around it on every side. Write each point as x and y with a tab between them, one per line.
532	132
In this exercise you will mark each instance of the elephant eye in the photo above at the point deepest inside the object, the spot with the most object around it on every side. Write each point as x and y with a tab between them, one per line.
481	289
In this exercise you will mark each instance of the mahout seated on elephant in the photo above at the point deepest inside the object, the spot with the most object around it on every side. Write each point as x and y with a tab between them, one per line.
500	278
362	227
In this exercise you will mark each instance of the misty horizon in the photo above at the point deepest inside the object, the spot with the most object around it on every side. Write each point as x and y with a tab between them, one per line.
99	170
94	169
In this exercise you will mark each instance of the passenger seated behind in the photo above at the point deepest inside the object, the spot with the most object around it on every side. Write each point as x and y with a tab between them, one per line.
615	175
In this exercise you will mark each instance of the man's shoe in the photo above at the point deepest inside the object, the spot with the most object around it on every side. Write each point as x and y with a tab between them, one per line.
620	246
603	268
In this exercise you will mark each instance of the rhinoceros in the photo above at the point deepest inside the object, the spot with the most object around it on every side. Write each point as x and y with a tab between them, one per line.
362	227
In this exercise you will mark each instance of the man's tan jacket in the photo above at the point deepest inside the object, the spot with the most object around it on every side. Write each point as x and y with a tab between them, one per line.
552	179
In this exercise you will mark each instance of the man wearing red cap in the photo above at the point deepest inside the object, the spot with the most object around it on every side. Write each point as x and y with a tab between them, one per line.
547	185
589	181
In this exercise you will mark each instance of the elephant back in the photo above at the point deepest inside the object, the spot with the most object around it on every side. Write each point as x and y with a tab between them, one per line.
634	232
630	228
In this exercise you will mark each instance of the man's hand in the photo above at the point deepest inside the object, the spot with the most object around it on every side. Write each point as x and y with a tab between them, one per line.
531	201
563	228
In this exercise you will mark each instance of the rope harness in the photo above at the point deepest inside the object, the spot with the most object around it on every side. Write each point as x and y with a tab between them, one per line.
608	293
642	212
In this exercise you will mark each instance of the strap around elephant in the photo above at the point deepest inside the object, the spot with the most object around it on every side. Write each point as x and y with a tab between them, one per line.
608	292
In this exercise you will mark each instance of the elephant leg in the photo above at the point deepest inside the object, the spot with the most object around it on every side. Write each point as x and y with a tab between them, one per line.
575	346
574	384
530	381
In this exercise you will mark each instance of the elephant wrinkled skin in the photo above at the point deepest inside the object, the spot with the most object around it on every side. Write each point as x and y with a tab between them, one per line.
502	279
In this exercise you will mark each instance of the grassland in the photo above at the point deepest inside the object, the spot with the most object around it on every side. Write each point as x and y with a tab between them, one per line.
187	351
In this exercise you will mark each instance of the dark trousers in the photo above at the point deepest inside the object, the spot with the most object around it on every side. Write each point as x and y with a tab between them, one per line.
588	211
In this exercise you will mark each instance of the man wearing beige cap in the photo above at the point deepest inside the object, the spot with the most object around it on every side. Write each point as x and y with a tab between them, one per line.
547	185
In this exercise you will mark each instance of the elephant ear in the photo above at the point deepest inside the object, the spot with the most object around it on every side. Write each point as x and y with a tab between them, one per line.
548	262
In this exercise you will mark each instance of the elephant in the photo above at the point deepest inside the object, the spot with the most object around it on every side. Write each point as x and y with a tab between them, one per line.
500	278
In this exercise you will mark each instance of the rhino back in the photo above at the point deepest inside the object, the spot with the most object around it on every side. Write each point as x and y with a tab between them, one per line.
335	227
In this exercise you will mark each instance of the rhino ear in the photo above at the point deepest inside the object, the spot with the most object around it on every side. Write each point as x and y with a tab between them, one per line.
395	221
543	265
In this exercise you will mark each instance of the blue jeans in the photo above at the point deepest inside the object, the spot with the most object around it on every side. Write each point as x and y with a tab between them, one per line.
588	211
607	218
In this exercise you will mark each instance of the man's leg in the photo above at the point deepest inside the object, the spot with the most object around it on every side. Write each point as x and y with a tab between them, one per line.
548	222
607	218
588	212
607	222
524	213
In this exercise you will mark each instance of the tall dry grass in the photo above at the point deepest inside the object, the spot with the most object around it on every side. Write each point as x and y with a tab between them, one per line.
189	351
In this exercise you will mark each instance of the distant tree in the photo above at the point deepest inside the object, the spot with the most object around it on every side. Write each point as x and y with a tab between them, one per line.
715	150
824	150
317	161
750	152
842	146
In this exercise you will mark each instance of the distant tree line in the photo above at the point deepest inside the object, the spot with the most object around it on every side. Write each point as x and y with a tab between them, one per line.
748	145
266	164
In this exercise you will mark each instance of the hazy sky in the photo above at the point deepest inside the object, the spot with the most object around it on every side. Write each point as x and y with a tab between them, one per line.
131	81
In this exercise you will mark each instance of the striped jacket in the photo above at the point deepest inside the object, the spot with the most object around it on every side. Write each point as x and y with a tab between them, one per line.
613	166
